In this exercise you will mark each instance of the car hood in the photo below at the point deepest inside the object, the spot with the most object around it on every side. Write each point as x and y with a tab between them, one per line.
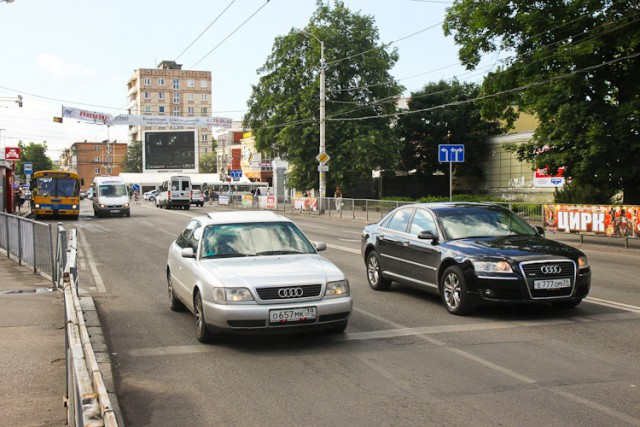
273	270
513	247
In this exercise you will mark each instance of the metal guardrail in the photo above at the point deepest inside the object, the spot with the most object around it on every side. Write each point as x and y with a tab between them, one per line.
86	396
30	242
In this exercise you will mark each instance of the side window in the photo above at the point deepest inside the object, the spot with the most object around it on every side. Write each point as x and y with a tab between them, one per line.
400	220
422	221
186	238
185	185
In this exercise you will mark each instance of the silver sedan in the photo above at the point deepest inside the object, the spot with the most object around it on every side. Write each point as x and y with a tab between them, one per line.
254	271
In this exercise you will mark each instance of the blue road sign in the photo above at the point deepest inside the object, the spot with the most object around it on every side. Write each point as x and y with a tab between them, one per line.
28	168
451	153
236	174
135	187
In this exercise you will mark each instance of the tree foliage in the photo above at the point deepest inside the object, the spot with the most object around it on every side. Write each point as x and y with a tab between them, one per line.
36	154
428	124
209	163
133	160
284	105
575	64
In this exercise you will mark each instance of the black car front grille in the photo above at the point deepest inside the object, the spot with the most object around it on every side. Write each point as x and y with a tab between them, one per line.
549	270
289	292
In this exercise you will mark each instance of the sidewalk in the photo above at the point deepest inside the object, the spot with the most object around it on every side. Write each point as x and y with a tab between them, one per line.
32	351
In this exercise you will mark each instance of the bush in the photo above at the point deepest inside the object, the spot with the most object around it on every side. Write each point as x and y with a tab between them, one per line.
580	194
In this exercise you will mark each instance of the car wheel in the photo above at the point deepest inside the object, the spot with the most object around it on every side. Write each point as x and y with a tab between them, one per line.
174	303
453	289
152	198
374	274
203	334
567	304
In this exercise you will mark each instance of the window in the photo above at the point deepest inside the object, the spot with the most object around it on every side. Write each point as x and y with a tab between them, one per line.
422	221
176	84
203	97
147	108
147	81
176	111
190	110
161	96
204	138
203	110
97	171
191	83
147	95
161	109
160	82
190	96
108	171
176	97
203	83
96	158
400	220
97	147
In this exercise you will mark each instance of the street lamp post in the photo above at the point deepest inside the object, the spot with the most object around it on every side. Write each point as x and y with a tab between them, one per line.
322	174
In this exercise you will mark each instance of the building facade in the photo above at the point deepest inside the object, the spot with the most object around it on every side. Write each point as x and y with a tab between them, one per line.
168	90
91	159
236	150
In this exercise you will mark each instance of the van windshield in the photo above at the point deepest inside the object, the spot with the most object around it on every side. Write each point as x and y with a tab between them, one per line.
114	190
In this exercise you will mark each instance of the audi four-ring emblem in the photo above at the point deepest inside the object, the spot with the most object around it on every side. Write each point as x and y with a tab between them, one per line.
550	269
290	292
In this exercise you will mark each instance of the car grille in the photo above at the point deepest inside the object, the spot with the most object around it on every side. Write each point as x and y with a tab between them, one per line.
549	270
289	292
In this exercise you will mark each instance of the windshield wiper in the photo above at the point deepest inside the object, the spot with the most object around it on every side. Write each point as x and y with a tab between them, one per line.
280	252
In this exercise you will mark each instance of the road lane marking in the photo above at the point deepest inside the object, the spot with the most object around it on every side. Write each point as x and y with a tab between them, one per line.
343	248
349	240
613	304
92	263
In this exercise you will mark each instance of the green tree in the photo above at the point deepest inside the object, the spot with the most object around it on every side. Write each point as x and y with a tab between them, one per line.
575	64
284	105
208	163
133	160
36	154
427	124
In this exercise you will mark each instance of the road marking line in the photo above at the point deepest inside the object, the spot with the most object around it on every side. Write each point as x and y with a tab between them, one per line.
613	304
92	264
343	248
349	240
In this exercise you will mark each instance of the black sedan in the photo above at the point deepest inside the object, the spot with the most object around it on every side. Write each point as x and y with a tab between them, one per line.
471	253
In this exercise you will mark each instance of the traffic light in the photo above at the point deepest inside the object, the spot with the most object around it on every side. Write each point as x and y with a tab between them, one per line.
19	101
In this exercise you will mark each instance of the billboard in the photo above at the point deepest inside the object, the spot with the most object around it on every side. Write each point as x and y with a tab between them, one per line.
170	151
608	220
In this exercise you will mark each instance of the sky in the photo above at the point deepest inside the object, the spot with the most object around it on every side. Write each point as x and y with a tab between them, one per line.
81	53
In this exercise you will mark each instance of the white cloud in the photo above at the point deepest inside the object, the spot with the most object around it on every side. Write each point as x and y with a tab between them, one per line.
59	68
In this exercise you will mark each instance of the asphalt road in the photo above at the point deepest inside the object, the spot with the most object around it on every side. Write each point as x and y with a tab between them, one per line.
403	360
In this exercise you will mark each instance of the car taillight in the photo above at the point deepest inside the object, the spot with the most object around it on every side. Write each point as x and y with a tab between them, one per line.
191	197
168	194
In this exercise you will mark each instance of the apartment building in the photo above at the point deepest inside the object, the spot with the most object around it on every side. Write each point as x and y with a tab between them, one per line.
169	90
91	159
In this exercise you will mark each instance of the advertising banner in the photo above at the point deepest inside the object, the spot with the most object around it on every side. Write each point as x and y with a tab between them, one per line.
137	120
12	153
542	178
170	151
607	220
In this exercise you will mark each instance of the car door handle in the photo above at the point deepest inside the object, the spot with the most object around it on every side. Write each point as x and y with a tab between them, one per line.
405	243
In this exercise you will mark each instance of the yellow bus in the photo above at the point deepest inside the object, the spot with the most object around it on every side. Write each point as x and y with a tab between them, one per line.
55	193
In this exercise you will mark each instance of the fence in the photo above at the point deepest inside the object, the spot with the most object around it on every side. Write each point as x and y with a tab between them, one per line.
31	242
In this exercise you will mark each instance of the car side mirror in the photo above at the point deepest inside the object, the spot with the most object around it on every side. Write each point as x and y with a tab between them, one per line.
428	235
320	246
539	230
187	253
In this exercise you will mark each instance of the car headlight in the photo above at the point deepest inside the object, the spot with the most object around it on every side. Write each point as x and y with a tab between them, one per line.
231	295
337	289
492	267
583	262
126	205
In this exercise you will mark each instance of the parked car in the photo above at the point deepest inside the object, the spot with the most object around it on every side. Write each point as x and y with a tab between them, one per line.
83	194
470	253
197	198
254	271
150	195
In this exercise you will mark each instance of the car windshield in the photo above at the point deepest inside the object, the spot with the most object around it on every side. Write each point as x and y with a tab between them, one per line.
254	239
484	221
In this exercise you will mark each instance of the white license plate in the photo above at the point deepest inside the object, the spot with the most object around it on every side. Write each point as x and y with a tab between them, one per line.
287	315
115	211
551	284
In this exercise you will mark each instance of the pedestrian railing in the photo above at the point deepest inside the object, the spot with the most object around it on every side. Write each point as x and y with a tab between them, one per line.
29	242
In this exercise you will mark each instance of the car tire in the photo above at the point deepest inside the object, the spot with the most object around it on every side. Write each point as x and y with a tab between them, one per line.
174	303
203	333
567	304
374	274
152	199
454	293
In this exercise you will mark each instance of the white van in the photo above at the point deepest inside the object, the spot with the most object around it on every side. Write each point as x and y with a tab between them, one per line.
110	196
175	192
